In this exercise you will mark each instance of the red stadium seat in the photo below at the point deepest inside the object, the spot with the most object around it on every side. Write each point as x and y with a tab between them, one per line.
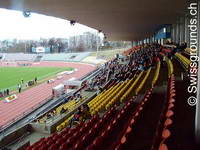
64	146
91	147
171	105
166	134
53	147
132	122
168	122
172	95
171	100
98	141
163	147
169	113
44	147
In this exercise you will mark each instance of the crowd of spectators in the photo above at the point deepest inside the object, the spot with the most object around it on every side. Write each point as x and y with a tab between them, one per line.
51	114
4	93
140	59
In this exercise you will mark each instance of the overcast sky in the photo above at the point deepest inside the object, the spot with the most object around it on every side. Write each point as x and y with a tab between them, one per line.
14	25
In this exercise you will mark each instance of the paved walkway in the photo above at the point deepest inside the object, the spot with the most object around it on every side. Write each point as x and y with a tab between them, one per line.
35	96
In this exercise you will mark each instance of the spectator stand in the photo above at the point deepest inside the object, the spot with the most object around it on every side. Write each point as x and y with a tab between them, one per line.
50	126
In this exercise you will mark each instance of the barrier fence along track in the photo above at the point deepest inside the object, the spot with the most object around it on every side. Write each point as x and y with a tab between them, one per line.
12	121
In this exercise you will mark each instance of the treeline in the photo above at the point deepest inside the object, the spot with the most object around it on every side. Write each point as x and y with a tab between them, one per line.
86	42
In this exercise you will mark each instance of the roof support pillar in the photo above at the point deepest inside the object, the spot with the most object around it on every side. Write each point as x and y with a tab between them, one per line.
177	32
182	30
187	39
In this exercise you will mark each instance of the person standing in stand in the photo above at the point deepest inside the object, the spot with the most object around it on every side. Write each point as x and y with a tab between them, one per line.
19	88
7	91
36	80
22	81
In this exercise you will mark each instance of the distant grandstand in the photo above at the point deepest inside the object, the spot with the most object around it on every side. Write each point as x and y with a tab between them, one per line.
70	57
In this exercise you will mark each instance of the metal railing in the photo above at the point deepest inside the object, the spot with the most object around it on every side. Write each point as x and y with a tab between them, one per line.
22	115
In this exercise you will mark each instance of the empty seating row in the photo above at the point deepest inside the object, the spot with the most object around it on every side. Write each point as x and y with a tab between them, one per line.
163	132
111	98
143	82
115	98
188	50
155	78
19	57
64	124
185	62
104	136
96	131
123	140
94	102
67	105
70	105
65	56
129	91
170	66
168	118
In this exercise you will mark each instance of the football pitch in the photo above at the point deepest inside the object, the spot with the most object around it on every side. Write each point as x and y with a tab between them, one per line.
11	76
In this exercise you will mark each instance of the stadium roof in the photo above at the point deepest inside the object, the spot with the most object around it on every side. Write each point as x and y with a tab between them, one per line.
118	19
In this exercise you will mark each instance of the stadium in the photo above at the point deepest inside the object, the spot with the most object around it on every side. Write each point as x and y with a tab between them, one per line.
142	95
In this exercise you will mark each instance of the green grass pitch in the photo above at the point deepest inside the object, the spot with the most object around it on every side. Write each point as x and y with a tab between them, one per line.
11	76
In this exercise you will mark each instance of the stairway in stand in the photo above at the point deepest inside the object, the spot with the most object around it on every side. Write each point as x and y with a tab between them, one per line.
145	128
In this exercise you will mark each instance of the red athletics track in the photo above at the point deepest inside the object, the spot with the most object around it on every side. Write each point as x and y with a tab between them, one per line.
32	97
